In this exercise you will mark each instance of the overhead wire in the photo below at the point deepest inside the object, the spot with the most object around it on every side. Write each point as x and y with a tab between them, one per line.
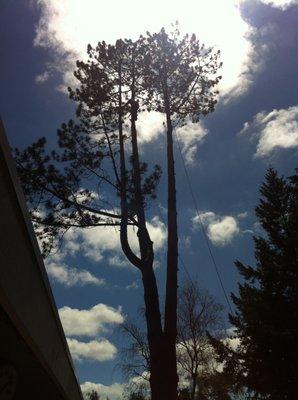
206	238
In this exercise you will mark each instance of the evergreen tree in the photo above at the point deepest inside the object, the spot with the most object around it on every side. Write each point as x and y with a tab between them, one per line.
172	75
181	77
266	360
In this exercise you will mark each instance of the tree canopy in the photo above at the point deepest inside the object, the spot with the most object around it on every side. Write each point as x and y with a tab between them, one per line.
96	177
265	360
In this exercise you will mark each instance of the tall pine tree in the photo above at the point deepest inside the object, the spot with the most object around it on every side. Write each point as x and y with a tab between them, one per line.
266	319
96	178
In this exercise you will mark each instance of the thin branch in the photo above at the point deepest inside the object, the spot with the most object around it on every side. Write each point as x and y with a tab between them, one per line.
101	176
110	150
68	225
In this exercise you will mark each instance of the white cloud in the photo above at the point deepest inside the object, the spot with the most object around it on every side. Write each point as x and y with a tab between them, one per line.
100	240
133	285
89	322
69	276
221	230
190	135
283	4
119	261
60	272
150	126
95	350
113	392
231	339
242	215
277	129
41	78
158	232
67	26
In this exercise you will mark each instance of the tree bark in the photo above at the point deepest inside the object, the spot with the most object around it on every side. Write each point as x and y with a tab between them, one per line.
170	326
158	383
162	344
123	190
193	386
151	298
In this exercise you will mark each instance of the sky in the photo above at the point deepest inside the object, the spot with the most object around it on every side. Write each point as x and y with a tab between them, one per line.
255	125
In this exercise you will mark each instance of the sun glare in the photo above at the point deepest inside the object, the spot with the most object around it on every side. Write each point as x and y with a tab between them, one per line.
71	25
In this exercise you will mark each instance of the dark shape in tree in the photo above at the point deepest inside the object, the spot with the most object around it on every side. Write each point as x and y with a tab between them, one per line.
136	396
161	72
266	360
184	394
92	395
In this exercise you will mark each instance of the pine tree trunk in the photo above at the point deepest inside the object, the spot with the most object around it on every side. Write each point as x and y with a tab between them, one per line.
158	376
170	327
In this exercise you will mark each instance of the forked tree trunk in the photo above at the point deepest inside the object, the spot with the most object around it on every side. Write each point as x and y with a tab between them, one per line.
152	310
158	376
162	343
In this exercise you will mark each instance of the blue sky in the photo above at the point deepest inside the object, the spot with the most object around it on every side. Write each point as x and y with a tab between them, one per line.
255	125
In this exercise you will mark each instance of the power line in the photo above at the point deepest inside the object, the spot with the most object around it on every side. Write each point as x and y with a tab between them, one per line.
202	225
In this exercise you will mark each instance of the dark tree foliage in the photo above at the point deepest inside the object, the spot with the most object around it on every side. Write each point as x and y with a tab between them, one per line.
136	396
266	360
68	185
96	177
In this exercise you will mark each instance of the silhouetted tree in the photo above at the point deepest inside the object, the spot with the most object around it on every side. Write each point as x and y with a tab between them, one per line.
198	313
136	390
172	75
265	362
180	78
136	355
